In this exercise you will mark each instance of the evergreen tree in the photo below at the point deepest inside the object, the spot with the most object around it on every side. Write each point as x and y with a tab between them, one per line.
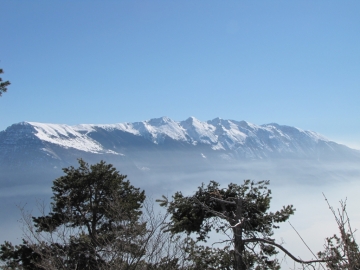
85	211
242	210
3	85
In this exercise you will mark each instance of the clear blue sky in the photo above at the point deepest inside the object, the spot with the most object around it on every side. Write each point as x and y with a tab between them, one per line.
290	62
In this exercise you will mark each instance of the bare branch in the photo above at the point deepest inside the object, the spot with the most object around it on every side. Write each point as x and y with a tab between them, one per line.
283	249
305	243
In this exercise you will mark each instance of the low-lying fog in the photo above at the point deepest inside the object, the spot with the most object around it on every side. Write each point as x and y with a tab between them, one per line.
292	182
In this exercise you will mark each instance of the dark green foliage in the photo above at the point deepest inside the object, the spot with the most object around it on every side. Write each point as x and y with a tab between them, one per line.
20	256
3	85
95	211
205	257
84	195
242	209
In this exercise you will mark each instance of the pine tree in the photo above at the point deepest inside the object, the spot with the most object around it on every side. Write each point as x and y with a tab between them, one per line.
3	85
94	214
239	210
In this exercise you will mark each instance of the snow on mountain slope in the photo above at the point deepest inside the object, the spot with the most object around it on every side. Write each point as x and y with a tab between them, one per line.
199	132
241	137
65	136
230	134
154	130
158	128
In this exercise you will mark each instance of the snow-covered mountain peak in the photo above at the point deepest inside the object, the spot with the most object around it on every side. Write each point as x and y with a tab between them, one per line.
191	120
157	129
239	138
216	121
159	121
199	132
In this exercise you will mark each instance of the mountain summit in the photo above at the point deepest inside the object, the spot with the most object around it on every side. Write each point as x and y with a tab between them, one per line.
238	139
160	142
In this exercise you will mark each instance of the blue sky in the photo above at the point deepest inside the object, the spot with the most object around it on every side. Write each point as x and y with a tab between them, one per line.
291	62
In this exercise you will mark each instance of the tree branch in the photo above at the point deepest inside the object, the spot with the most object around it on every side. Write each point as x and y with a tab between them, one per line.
207	208
283	249
223	201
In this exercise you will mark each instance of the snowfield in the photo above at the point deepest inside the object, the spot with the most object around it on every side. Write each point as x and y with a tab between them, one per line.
220	134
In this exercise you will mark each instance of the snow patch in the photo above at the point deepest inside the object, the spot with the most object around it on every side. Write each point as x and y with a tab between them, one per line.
66	137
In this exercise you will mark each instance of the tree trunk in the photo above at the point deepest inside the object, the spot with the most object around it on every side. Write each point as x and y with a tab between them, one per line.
239	245
239	249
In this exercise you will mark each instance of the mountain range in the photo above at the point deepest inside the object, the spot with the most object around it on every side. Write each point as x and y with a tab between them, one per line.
30	148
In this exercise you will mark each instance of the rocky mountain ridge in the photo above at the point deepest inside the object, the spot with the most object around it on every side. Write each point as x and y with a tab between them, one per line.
218	134
29	151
